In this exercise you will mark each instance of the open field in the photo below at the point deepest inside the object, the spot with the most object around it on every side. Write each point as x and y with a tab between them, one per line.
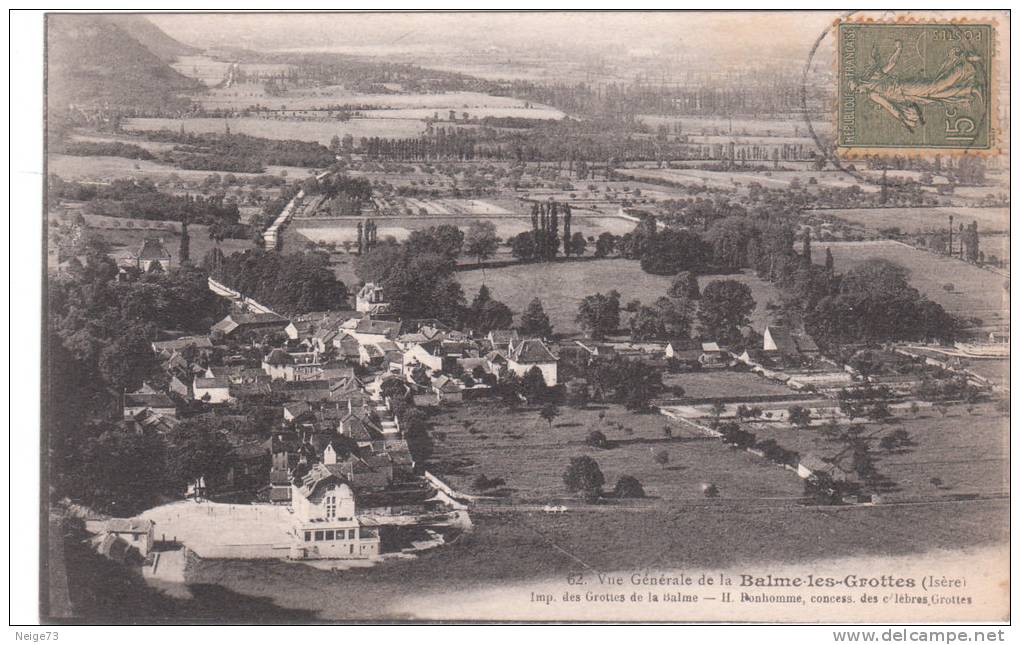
723	383
976	292
732	179
531	456
71	167
286	129
916	220
968	451
561	286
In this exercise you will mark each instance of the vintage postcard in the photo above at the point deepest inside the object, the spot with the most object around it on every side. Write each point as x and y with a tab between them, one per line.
526	316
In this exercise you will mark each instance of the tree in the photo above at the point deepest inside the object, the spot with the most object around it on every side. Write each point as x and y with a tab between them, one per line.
417	285
480	240
114	471
799	416
605	245
583	475
533	385
631	382
549	412
578	244
717	409
414	425
197	450
126	361
672	251
534	322
486	314
628	487
599	314
725	307
684	286
184	253
522	246
596	439
662	457
445	240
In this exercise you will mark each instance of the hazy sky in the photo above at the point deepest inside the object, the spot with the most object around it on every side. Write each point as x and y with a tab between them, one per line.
728	36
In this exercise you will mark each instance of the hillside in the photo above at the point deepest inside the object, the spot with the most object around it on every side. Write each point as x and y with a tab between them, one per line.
152	37
93	63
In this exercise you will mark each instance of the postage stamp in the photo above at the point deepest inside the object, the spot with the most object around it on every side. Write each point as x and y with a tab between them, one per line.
914	86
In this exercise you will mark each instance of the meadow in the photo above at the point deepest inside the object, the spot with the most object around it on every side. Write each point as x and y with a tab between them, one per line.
72	168
975	292
561	286
917	220
531	455
968	451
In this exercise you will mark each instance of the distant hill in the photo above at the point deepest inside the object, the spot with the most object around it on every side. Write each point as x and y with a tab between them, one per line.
152	37
93	62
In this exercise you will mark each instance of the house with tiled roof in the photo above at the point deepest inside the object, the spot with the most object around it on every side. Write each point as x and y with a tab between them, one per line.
168	347
153	252
373	471
360	426
448	390
532	352
215	389
788	345
147	398
239	323
137	533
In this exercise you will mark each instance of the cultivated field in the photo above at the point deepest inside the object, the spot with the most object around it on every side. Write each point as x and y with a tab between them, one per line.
531	456
561	286
285	129
337	231
976	292
915	220
723	384
734	179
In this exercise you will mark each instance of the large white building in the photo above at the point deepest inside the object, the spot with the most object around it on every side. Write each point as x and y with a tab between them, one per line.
325	522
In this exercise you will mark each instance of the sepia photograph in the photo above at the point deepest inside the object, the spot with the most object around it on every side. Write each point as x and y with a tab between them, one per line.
525	317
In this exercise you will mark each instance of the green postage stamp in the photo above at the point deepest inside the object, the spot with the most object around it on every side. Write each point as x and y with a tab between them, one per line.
914	85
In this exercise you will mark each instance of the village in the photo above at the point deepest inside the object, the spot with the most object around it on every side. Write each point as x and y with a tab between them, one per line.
353	469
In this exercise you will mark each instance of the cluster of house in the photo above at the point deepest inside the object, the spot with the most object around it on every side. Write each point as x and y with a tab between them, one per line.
324	373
